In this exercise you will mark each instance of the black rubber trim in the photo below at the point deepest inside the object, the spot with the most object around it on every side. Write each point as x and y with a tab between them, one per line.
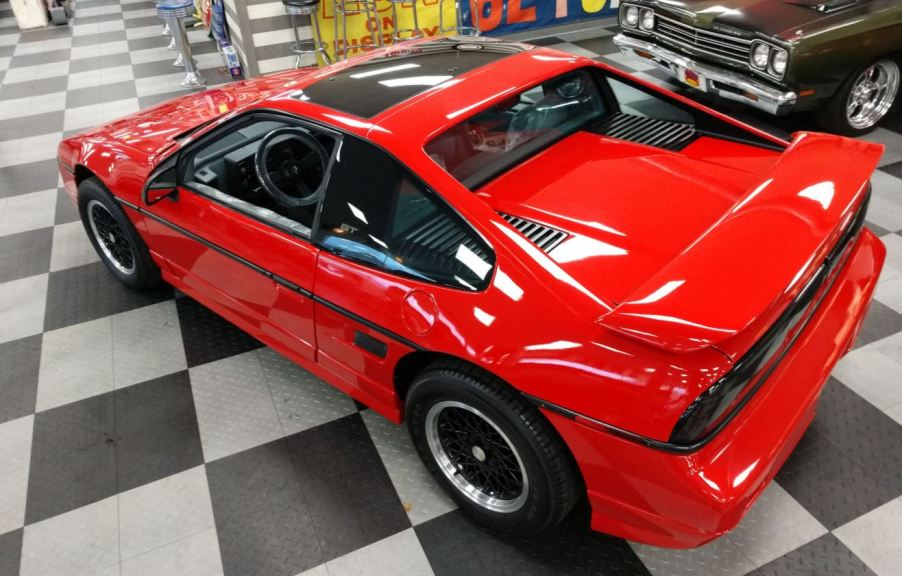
276	278
370	344
834	262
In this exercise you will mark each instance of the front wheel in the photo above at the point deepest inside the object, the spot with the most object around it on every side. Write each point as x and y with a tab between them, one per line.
114	237
863	100
493	452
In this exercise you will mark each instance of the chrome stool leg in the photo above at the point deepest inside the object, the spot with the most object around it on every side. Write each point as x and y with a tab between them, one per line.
345	8
313	46
459	27
174	15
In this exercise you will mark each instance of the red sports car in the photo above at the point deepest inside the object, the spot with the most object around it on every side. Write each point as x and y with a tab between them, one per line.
569	282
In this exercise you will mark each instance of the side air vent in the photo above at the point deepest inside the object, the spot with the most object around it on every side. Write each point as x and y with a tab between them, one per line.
650	131
544	237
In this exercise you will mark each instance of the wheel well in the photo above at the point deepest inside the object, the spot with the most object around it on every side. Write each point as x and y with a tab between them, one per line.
81	174
409	366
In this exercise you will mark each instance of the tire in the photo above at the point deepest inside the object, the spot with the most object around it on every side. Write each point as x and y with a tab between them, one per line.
452	399
114	237
835	116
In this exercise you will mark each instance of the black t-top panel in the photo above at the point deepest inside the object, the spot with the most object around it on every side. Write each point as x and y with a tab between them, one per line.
376	85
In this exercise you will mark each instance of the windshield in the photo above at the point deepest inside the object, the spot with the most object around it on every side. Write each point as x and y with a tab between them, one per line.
481	147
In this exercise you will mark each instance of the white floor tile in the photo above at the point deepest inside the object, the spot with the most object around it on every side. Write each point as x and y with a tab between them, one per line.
13	490
23	48
397	554
79	542
27	212
197	555
98	11
147	343
52	102
152	55
31	149
71	247
873	374
76	363
876	538
38	72
15	444
97	27
164	511
100	77
22	307
97	50
98	114
234	407
143	32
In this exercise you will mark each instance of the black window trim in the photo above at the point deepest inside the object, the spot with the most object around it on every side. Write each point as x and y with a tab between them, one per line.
235	123
312	238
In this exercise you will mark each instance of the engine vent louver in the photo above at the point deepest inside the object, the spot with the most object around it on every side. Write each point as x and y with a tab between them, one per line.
650	131
544	237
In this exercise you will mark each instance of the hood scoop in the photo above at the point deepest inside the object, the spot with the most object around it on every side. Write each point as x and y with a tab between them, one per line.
649	131
545	237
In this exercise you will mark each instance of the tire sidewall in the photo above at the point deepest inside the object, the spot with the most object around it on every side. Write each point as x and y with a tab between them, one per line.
146	273
431	388
833	116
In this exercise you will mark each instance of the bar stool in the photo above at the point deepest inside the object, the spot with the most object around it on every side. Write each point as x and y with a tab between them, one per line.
345	8
173	12
398	31
459	27
315	45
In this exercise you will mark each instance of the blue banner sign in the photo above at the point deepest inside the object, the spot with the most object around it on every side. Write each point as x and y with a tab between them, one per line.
506	16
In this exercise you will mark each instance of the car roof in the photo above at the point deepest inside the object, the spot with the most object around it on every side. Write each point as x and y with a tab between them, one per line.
434	82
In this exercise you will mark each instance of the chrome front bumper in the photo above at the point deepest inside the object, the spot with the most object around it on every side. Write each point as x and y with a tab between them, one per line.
723	83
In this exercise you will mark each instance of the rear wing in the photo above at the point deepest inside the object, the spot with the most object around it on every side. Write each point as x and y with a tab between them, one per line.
757	255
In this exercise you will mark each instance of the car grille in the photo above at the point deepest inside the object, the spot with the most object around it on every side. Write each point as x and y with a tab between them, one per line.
649	131
545	237
723	45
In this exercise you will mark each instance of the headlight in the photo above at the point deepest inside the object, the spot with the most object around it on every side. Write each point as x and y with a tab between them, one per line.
630	16
778	61
760	56
647	21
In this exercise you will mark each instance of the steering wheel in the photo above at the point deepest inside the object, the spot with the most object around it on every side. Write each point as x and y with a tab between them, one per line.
284	158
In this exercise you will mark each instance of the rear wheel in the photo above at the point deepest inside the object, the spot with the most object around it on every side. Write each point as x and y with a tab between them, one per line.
863	99
492	451
114	237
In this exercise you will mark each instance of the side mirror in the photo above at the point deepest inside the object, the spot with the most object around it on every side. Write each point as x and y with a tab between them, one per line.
157	192
162	184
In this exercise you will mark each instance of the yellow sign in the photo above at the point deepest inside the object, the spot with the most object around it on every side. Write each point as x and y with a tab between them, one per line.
362	30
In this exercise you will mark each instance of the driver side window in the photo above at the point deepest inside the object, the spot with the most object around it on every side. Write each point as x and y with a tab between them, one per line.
269	167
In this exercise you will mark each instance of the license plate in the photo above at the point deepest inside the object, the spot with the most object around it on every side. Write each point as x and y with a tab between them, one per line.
694	79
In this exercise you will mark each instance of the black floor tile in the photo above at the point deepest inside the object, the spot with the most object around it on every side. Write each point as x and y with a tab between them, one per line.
50	33
98	62
89	292
143	21
138	6
158	68
333	462
864	433
25	254
826	555
156	430
876	229
149	42
290	505
73	457
100	94
850	443
101	38
818	476
31	88
26	126
602	45
894	169
21	361
66	211
454	545
208	337
97	19
546	41
10	552
30	177
881	321
39	58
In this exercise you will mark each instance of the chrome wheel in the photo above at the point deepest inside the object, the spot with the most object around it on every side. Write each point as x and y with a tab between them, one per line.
872	95
476	456
110	237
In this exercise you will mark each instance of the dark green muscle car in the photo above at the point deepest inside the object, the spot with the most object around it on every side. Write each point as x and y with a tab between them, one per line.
840	58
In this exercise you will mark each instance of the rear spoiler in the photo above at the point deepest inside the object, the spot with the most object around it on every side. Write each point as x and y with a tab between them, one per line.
758	254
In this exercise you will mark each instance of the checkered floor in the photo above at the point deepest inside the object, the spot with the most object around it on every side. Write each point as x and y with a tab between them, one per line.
142	434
